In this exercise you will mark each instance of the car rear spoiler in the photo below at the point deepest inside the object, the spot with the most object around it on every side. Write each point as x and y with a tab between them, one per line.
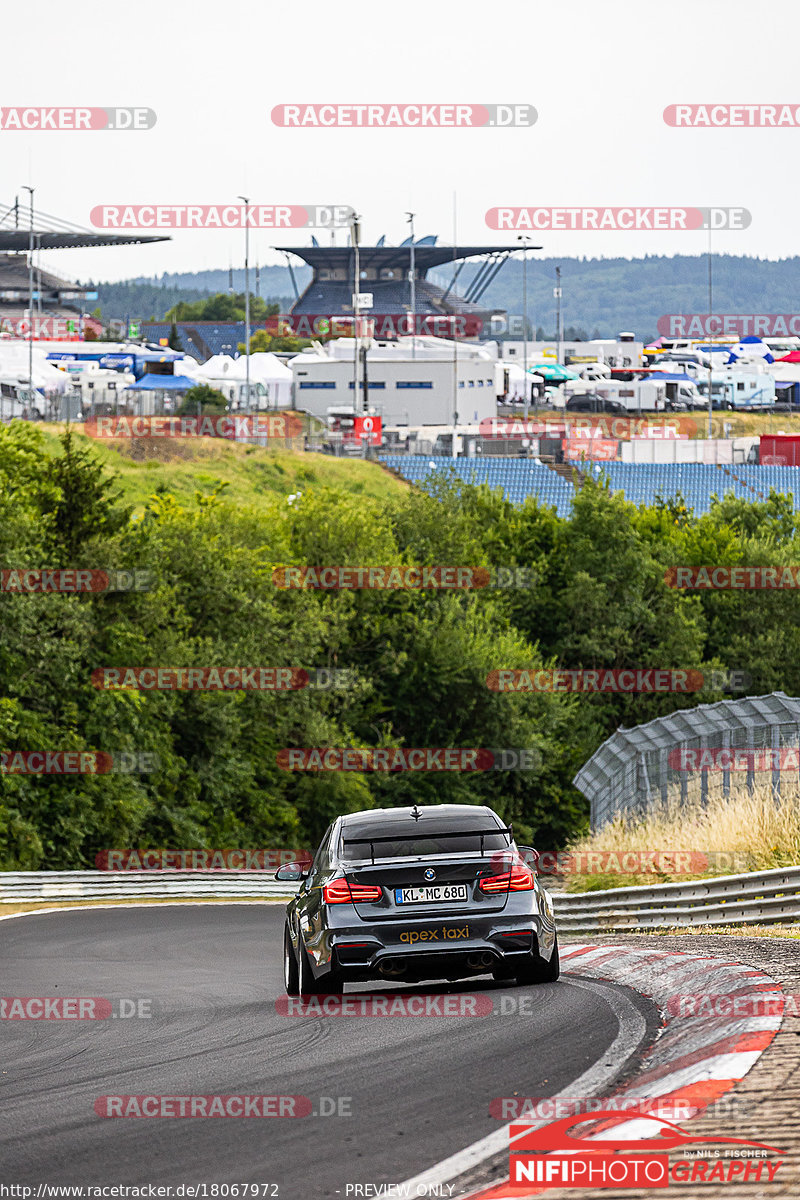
481	833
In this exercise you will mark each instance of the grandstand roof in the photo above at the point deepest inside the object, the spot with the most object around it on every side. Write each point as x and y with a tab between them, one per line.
425	256
53	233
45	239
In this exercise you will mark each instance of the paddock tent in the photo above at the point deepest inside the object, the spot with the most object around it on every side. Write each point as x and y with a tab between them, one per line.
265	369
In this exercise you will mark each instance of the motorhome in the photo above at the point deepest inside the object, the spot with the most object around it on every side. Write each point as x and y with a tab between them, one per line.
670	393
18	400
738	389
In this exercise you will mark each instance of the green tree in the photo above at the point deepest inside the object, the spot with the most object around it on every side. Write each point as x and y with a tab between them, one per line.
83	504
202	398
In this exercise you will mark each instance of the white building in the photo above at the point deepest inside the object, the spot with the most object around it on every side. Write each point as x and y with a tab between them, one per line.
404	388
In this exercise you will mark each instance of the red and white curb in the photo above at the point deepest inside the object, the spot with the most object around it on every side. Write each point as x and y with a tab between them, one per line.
696	1059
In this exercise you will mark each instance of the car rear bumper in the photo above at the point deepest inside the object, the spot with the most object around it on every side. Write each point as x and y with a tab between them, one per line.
458	949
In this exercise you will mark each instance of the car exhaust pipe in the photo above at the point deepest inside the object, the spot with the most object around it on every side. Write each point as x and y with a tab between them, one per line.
393	970
480	962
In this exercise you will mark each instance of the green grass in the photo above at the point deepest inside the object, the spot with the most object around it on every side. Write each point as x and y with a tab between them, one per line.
251	473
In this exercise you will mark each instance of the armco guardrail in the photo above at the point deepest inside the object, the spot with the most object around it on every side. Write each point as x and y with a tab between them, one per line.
753	899
115	885
761	898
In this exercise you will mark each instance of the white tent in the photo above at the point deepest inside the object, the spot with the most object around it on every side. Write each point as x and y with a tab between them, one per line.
516	381
46	375
275	375
220	366
267	373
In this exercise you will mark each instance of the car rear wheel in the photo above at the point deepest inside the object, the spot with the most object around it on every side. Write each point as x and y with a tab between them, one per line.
539	970
291	975
331	984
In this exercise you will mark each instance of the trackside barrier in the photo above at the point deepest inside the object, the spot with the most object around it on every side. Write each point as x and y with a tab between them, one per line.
756	898
111	885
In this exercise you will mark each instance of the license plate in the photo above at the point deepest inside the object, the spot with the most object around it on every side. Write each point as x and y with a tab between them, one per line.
431	895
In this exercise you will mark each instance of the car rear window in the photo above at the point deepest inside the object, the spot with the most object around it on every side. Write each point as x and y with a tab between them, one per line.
418	844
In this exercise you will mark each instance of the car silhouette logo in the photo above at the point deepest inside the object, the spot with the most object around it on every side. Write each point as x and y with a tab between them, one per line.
430	873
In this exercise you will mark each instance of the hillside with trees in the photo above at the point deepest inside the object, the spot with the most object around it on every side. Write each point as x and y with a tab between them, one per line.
415	663
601	296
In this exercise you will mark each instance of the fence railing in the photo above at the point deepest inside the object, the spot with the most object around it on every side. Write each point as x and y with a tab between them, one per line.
767	897
757	898
16	886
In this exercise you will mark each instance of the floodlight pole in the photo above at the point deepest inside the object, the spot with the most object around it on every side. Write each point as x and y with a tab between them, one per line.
247	307
30	299
522	238
413	282
356	234
711	356
559	334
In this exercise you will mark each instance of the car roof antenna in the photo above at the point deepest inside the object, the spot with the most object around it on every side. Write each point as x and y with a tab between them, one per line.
415	813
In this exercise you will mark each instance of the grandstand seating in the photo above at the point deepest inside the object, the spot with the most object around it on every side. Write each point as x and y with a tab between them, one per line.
222	338
518	477
698	482
641	483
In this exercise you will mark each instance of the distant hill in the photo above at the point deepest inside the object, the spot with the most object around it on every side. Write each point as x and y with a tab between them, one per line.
601	296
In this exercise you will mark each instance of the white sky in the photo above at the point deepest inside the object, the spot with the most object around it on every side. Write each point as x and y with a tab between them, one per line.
599	76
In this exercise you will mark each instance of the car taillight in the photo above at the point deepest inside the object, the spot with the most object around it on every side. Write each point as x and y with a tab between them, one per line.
518	879
342	891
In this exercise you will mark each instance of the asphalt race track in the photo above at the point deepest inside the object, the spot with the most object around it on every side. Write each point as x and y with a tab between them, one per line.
418	1089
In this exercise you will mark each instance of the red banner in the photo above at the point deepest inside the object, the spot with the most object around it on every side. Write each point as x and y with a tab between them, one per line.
595	448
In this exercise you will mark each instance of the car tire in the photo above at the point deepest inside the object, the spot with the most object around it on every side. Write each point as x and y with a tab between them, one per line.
291	974
539	970
329	985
